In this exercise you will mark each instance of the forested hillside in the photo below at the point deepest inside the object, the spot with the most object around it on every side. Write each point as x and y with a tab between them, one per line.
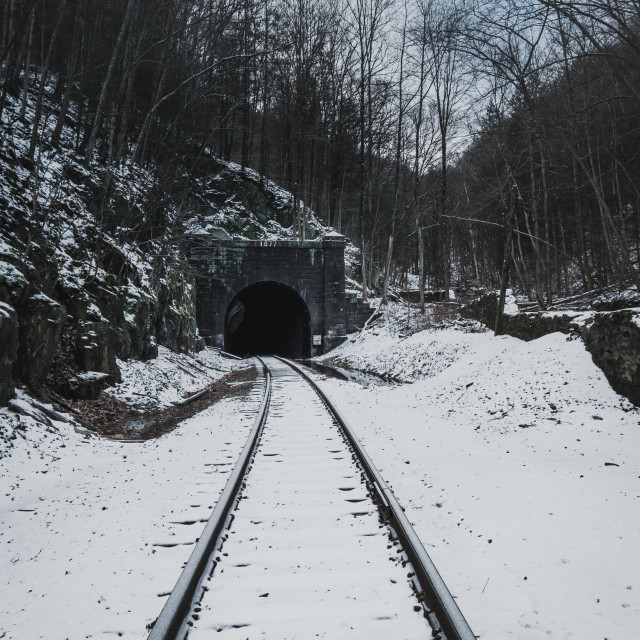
425	130
161	162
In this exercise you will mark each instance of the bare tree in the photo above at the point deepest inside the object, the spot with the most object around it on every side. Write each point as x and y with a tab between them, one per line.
369	23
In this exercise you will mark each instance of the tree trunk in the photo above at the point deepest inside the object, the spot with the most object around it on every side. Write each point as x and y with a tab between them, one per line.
27	65
421	274
44	72
505	265
115	54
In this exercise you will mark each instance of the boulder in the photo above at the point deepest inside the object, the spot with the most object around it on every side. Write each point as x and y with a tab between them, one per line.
9	332
87	386
41	322
614	342
95	349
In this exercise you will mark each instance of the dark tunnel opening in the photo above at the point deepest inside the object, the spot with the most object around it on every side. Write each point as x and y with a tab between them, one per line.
268	318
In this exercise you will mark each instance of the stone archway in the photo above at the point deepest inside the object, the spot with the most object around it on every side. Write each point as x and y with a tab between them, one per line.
268	318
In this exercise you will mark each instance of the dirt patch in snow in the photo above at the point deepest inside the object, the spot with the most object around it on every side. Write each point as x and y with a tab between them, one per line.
112	418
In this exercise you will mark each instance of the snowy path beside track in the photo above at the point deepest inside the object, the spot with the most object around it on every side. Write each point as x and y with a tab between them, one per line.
93	531
519	467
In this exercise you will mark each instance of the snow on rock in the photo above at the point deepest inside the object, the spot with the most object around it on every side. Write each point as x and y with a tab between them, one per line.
92	376
386	350
170	377
11	275
518	466
25	408
510	303
6	310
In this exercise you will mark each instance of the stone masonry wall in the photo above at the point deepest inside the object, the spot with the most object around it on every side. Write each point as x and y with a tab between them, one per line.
314	270
613	338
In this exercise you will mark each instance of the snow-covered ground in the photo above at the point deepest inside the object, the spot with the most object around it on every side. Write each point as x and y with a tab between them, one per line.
516	462
159	383
95	532
520	469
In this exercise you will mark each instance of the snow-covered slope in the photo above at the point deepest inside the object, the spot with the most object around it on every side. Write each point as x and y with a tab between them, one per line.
94	532
518	465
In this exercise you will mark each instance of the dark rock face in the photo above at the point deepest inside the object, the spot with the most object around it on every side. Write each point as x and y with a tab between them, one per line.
13	284
614	342
94	349
105	321
9	331
139	318
41	325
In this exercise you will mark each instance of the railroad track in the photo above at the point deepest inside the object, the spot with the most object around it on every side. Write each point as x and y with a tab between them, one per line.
310	543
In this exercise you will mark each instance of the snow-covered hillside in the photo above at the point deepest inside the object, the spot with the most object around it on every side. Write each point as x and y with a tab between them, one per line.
92	254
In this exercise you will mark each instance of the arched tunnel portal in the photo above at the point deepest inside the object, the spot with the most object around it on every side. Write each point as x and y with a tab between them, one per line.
273	296
268	318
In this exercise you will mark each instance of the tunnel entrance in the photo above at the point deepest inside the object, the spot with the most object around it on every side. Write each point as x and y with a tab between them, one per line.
268	318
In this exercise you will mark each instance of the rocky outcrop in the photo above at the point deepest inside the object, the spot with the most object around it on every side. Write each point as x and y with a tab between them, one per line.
95	349
107	319
13	284
524	325
612	338
41	325
9	330
614	342
140	312
87	385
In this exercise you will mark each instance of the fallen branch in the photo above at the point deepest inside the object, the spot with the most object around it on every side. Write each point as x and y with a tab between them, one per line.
465	390
195	396
504	413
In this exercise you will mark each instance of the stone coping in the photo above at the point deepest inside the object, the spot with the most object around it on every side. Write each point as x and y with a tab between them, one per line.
331	241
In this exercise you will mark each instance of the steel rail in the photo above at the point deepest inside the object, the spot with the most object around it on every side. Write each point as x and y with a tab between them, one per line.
172	622
434	590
